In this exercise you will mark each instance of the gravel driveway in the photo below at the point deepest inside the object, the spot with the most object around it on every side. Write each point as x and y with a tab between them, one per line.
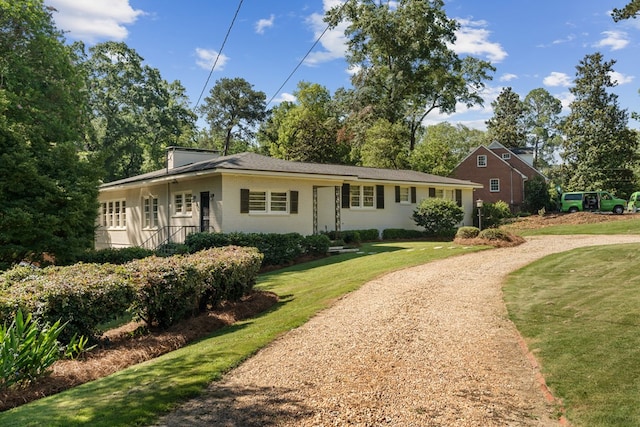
425	346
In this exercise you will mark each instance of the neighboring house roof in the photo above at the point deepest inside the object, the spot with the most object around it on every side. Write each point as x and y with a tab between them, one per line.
511	163
251	162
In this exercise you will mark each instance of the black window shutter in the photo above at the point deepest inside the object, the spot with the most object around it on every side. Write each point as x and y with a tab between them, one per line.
397	194
345	195
244	200
432	192
413	194
293	195
380	196
459	197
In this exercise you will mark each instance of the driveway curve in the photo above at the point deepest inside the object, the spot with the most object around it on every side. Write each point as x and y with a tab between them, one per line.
425	346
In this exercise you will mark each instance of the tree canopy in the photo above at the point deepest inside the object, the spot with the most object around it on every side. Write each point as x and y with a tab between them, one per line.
48	193
541	119
507	126
404	62
631	10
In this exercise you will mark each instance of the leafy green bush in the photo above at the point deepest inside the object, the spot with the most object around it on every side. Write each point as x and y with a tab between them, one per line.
277	248
467	232
27	350
82	295
439	217
114	255
171	289
495	234
494	214
355	236
316	244
401	234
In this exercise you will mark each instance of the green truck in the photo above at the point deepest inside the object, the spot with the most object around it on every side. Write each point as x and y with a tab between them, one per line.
591	201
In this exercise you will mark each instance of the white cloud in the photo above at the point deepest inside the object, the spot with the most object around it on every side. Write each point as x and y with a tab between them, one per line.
615	40
285	97
264	23
507	77
472	38
207	57
333	41
620	78
95	19
557	79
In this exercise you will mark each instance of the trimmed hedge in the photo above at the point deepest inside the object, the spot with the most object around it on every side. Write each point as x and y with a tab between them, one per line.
401	234
84	295
355	236
161	291
115	255
467	232
495	234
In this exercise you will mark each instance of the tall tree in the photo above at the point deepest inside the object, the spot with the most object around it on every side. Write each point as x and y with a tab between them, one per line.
137	114
234	109
507	126
599	148
542	118
48	192
382	148
308	129
405	61
443	147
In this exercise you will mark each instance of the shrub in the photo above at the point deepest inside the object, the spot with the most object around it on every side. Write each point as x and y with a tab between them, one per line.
495	234
114	255
401	234
316	244
438	216
82	295
27	350
467	232
355	236
494	214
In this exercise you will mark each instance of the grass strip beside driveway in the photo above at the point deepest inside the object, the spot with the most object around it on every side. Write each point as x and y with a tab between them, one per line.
140	394
579	312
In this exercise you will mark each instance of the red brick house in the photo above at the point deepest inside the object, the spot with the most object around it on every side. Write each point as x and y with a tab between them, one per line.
502	171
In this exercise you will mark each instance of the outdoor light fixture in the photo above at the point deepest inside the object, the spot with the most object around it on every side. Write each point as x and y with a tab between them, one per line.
479	204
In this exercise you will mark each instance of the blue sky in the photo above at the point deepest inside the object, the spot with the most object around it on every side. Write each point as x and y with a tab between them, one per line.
532	43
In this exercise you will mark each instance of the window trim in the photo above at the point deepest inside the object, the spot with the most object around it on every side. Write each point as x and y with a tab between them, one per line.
113	214
362	197
150	217
506	156
491	187
269	201
186	209
483	163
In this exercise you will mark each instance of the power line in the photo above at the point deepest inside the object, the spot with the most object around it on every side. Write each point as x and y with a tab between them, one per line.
303	58
219	53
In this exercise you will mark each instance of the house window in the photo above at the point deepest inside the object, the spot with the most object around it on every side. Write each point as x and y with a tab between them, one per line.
362	196
268	201
506	156
404	195
113	214
150	208
439	193
494	185
482	161
183	203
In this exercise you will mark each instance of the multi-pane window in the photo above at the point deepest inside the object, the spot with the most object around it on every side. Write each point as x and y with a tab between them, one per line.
268	201
439	193
113	214
482	161
183	203
494	185
404	195
506	156
362	196
150	212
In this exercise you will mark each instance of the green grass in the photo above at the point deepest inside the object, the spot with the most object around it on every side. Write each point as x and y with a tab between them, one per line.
580	314
631	226
138	395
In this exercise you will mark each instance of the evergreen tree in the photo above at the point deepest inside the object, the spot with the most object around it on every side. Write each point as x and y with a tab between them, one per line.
599	148
48	193
507	126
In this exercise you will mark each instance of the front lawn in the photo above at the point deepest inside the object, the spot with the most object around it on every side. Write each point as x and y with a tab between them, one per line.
579	312
138	395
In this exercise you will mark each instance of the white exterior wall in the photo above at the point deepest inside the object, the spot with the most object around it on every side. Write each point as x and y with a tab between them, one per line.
225	213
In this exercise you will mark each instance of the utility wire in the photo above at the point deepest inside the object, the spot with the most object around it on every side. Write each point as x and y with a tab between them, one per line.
303	58
219	53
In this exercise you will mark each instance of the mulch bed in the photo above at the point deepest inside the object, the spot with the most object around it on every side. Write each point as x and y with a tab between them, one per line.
126	346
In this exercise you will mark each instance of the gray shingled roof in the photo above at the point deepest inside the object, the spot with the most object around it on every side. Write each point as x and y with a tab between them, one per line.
257	162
